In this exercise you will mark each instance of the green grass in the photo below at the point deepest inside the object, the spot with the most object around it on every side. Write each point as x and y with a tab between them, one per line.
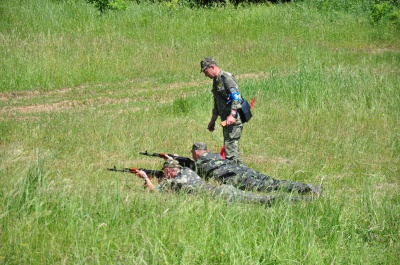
82	92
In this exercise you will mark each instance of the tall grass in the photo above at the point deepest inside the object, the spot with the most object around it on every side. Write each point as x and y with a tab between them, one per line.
69	44
118	223
81	92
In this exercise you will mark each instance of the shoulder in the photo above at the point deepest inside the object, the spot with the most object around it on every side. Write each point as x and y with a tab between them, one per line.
186	177
210	156
228	78
222	76
186	173
214	155
226	75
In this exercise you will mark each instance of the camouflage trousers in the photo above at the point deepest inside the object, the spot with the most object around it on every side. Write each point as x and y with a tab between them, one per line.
245	178
230	194
232	136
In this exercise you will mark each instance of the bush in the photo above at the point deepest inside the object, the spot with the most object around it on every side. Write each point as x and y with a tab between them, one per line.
383	10
104	5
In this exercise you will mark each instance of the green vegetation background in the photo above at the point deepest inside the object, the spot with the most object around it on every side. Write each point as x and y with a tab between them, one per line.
81	92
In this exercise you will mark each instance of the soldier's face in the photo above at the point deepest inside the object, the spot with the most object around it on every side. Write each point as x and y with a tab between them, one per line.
210	72
194	155
168	173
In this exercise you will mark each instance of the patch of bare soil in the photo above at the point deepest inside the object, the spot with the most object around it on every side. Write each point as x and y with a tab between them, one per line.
70	104
63	105
43	107
378	50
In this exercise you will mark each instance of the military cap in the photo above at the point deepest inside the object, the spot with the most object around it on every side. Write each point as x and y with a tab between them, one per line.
199	146
171	163
206	62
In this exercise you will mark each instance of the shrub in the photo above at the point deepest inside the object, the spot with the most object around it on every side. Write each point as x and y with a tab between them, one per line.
104	5
383	10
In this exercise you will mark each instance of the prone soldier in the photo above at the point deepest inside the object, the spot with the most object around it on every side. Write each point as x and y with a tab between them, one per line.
210	165
178	178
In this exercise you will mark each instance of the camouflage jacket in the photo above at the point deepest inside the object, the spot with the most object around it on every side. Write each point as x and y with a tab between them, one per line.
185	180
212	165
223	86
207	163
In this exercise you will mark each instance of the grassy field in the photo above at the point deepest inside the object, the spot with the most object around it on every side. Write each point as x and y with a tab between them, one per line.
81	92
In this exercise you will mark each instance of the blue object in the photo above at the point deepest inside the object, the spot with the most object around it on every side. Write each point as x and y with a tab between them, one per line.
234	97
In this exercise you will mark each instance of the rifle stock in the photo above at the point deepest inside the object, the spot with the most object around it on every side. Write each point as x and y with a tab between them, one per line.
183	161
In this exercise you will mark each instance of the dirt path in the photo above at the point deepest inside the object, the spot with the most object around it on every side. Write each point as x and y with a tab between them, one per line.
13	98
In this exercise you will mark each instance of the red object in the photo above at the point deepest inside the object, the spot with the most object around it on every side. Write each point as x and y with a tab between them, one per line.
222	153
252	103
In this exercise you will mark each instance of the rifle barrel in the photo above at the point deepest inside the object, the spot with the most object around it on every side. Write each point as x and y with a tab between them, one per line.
152	172
183	161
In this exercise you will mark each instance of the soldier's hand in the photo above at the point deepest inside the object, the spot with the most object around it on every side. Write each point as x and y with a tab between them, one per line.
230	120
211	126
141	174
165	156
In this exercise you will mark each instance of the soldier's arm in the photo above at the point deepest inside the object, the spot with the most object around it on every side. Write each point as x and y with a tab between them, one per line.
232	89
142	174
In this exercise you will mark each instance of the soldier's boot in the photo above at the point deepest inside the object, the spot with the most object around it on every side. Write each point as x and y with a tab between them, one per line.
305	188
317	190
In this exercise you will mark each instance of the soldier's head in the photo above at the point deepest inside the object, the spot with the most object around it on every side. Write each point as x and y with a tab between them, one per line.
209	67
198	149
171	167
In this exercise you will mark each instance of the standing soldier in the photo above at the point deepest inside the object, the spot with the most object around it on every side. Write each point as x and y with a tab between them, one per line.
227	101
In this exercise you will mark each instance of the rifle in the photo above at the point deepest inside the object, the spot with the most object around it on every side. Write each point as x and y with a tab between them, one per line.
183	161
149	172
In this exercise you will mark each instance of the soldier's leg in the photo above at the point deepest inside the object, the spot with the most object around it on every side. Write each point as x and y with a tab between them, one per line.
290	186
241	180
245	178
232	136
230	193
238	182
226	192
258	181
268	184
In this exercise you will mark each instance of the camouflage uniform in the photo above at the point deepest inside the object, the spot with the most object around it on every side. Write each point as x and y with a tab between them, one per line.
224	86
211	165
187	180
